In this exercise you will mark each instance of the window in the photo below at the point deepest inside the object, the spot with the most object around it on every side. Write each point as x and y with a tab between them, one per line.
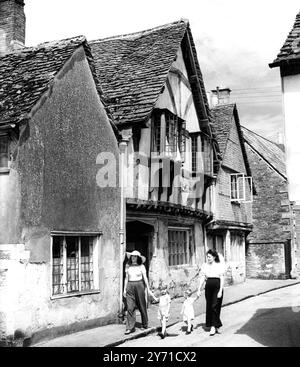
74	264
171	133
179	246
207	152
4	152
156	132
194	139
168	135
241	188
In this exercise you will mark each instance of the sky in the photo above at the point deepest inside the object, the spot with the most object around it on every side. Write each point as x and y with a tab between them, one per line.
235	40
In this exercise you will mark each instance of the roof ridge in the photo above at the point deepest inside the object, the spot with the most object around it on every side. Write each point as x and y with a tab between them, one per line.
76	39
224	105
141	33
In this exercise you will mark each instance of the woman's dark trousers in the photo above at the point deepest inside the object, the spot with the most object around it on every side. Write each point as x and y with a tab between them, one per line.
135	298
213	303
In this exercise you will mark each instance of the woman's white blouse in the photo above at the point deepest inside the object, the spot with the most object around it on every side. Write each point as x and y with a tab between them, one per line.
213	270
136	272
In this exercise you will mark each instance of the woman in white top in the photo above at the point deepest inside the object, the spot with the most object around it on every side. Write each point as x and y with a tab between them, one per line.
212	272
134	290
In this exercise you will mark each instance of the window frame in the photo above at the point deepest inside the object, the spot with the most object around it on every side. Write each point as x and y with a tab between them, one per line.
240	183
190	246
5	136
95	256
168	136
194	154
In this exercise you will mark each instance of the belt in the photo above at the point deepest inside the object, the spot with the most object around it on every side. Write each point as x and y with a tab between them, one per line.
134	281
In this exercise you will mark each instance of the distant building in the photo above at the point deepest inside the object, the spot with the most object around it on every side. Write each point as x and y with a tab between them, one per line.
232	190
288	60
268	252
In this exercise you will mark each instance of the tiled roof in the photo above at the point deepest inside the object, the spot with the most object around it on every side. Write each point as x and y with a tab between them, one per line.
291	48
133	69
267	149
26	74
223	117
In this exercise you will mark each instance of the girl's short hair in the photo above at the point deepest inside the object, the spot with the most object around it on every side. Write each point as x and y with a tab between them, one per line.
214	254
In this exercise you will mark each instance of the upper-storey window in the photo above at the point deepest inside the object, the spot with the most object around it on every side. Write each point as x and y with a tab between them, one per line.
207	153
4	153
203	153
169	133
194	141
241	189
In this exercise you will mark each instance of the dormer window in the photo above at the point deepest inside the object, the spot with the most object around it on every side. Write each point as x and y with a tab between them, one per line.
4	153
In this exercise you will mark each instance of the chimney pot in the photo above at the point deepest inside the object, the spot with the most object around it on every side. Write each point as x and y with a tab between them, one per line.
220	96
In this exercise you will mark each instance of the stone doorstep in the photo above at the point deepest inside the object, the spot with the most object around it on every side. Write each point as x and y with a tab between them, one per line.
143	333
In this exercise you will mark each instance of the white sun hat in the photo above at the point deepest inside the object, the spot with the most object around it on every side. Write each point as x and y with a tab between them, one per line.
136	253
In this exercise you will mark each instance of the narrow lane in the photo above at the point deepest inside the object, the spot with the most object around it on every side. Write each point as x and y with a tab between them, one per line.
268	320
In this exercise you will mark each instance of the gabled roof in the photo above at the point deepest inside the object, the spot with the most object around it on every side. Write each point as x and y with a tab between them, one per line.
290	50
133	69
267	150
223	117
25	75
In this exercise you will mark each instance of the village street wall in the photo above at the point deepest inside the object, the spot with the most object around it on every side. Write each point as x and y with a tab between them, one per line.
269	247
52	187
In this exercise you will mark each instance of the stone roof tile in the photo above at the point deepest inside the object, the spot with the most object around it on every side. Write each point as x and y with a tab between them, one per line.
267	149
133	69
27	73
291	47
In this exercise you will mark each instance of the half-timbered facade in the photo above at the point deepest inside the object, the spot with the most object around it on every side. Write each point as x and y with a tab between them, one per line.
154	87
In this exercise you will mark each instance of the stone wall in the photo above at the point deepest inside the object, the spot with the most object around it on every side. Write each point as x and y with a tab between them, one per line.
271	207
267	260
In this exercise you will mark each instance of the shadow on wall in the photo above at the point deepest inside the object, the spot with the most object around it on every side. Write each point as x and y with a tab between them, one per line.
275	327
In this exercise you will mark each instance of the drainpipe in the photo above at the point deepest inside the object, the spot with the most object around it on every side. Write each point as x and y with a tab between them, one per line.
123	148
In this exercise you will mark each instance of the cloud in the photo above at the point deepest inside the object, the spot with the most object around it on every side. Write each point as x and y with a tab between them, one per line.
255	87
268	125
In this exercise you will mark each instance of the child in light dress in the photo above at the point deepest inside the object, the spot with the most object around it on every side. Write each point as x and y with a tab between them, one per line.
164	309
187	310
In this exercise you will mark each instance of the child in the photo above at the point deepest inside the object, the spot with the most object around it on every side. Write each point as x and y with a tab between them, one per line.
188	310
164	309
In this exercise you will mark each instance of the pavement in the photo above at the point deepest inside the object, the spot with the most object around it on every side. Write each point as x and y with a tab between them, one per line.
113	335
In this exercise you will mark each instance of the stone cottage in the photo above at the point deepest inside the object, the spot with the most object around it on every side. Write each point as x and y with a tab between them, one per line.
153	85
269	253
233	190
59	230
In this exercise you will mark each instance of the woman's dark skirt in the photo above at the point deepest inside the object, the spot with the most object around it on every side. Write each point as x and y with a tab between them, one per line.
213	303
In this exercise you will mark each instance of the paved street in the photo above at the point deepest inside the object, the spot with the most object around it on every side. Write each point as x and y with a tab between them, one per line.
268	320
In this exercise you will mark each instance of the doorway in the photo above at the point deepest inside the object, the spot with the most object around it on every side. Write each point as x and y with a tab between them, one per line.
138	237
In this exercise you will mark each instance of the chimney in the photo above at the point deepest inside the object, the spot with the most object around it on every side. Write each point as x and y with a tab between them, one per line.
12	25
220	96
